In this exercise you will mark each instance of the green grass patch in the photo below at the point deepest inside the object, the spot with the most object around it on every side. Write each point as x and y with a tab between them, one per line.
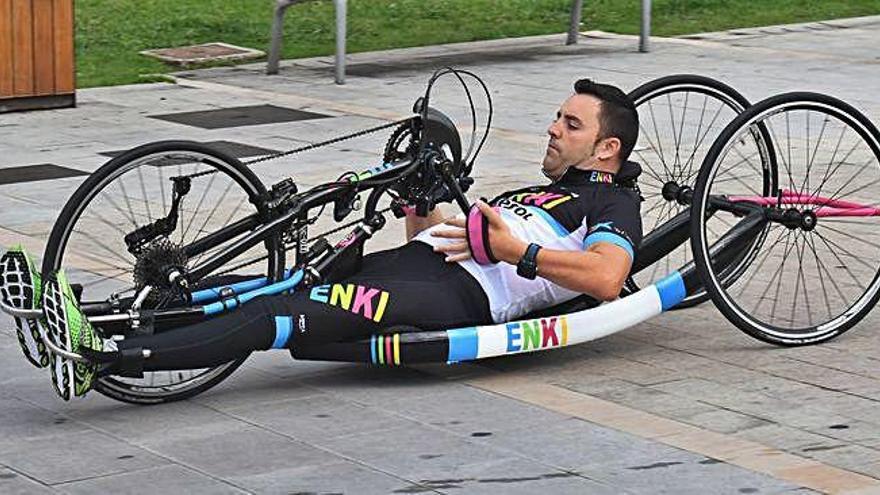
110	33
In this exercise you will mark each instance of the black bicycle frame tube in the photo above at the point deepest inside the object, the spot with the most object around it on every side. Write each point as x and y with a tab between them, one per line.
214	239
663	240
166	319
300	208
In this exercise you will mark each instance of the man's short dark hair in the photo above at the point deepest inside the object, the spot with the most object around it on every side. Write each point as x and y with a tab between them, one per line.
617	118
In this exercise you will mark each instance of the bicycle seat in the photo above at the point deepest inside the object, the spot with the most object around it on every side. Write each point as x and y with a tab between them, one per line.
628	174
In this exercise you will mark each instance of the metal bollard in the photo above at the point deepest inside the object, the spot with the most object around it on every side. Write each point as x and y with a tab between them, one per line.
645	34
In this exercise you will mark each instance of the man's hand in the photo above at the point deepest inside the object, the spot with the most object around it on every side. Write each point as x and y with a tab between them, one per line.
458	250
504	245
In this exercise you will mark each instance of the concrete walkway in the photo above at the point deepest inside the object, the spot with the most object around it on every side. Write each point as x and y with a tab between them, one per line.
682	404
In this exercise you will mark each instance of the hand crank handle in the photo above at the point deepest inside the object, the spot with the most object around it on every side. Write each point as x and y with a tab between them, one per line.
445	167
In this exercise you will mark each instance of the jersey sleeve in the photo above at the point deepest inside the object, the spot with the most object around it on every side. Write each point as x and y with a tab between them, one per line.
617	221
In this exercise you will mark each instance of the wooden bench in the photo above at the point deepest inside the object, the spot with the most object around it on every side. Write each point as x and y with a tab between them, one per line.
281	7
36	54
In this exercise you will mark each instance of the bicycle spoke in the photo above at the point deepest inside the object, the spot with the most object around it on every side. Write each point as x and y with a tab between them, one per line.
126	199
676	138
745	159
843	264
144	193
216	206
118	208
772	278
708	129
775	139
648	168
798	279
819	266
104	277
805	185
199	206
737	179
838	194
657	135
828	171
853	237
779	239
689	162
104	246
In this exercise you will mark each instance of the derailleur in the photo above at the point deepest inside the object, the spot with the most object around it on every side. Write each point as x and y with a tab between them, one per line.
162	227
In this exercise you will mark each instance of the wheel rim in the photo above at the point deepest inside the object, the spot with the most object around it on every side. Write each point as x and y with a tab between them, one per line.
678	124
138	192
807	284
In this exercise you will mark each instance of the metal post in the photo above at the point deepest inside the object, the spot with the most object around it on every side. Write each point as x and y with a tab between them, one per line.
277	33
574	27
645	35
340	41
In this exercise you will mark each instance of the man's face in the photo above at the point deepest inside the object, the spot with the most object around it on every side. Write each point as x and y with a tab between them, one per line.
573	135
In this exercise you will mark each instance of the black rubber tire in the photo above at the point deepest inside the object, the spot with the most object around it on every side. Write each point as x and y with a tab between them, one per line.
698	84
53	256
778	103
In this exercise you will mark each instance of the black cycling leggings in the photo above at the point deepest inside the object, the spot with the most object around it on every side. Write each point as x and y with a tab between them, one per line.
407	286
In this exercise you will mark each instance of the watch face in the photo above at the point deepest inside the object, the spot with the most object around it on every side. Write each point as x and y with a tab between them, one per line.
528	264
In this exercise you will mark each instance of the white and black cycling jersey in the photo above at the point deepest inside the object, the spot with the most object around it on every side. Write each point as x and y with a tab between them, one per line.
582	208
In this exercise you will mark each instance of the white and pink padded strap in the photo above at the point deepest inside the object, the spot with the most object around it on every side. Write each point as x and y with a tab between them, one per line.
478	236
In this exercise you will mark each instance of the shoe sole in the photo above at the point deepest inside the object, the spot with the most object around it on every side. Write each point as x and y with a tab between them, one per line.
55	313
17	289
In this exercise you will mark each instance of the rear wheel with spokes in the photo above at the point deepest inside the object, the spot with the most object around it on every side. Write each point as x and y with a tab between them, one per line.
680	116
134	190
817	273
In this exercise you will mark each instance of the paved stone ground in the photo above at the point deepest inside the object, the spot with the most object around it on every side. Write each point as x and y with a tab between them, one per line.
682	404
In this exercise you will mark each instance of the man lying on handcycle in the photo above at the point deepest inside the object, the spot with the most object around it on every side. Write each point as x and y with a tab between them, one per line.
547	243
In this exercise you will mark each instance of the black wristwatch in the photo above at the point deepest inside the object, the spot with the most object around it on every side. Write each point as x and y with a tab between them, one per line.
528	264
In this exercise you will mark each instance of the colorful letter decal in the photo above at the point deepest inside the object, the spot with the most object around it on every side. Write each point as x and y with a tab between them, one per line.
513	336
365	301
319	293
537	334
340	295
531	335
548	332
545	200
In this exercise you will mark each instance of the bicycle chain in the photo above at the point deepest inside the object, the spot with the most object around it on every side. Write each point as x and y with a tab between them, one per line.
311	146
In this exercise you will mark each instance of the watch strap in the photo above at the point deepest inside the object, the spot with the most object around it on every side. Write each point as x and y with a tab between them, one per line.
528	264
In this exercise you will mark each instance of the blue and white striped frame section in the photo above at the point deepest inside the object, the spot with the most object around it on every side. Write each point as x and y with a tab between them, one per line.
469	343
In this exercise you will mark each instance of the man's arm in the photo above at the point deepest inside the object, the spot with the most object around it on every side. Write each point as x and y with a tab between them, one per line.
416	224
600	271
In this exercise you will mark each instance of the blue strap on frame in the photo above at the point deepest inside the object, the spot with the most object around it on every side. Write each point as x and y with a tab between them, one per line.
283	329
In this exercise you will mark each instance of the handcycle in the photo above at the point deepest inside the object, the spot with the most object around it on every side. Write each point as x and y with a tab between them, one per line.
723	174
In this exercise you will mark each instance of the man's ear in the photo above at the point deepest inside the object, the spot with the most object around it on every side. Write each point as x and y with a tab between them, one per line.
608	148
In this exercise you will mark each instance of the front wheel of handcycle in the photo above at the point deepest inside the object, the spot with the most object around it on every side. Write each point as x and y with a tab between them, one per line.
210	190
816	272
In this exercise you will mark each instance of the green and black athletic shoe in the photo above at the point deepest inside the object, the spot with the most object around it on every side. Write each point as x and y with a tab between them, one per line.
20	288
68	328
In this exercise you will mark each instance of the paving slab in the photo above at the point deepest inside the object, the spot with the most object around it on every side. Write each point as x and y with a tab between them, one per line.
15	483
803	418
159	480
76	456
